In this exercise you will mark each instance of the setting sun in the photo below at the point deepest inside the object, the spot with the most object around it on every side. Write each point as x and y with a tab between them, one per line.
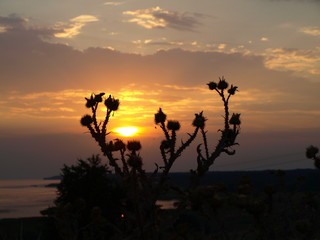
127	131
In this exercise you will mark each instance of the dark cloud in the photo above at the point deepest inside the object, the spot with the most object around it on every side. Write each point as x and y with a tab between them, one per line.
182	22
160	18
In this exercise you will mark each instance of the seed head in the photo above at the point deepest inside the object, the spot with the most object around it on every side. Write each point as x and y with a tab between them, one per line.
232	90
160	117
199	120
86	120
90	102
212	85
235	119
118	145
134	145
165	144
112	103
173	125
98	98
222	84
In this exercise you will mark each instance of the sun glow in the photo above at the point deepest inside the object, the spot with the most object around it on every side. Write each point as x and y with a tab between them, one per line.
127	131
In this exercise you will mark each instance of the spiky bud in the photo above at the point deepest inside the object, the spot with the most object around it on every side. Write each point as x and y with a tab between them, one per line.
232	90
222	84
134	145
199	120
165	144
98	98
173	125
235	119
86	120
112	103
90	102
118	145
160	117
212	85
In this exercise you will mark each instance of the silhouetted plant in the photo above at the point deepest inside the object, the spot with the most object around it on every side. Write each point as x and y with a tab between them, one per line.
88	198
311	152
142	189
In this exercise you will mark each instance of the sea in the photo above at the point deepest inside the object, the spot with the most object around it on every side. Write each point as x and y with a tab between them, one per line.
26	198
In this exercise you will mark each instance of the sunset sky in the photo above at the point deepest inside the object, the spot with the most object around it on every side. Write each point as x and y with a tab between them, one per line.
153	54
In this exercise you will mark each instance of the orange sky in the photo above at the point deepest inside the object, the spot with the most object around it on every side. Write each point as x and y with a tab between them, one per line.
50	62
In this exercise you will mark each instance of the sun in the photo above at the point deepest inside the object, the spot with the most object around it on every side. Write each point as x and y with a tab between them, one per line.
127	131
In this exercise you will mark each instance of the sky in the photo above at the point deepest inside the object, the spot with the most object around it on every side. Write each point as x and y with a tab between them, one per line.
152	54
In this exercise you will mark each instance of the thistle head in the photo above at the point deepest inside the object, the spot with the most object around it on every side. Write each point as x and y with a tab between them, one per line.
173	125
86	120
160	117
90	101
112	103
232	90
98	97
222	84
199	120
134	145
235	119
118	145
212	85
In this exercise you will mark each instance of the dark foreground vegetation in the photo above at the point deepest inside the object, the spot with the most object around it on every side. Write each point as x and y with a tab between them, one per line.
116	199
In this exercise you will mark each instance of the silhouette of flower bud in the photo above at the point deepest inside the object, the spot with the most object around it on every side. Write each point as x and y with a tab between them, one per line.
165	144
160	117
311	151
111	103
222	84
235	119
98	98
173	125
118	145
134	145
212	85
90	102
232	90
86	120
199	120
135	161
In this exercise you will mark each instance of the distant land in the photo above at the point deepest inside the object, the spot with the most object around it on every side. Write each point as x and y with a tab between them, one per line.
292	180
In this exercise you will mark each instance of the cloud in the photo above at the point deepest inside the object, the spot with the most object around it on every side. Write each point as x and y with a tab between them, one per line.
158	18
313	31
42	81
113	3
303	62
70	30
12	21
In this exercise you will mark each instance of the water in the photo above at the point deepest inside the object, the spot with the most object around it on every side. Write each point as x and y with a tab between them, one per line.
26	198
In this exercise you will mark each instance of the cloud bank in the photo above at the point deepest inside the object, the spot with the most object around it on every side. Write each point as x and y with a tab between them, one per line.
157	17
